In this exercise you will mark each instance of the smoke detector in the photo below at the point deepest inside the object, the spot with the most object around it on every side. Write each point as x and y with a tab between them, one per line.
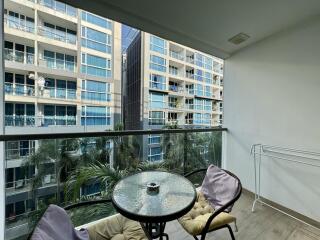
239	38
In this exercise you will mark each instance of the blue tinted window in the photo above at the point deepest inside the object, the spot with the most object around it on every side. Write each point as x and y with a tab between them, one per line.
158	63
158	44
156	100
95	66
99	21
157	82
93	115
95	40
94	90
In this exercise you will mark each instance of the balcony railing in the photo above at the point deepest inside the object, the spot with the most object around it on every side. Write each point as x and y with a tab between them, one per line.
190	59
39	121
181	150
18	56
62	93
175	72
176	55
57	35
19	120
59	64
189	75
19	89
59	7
15	23
175	88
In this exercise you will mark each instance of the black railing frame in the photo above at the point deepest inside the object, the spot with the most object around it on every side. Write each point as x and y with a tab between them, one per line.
107	133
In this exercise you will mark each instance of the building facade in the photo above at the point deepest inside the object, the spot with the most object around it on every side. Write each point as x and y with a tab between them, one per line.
62	74
168	83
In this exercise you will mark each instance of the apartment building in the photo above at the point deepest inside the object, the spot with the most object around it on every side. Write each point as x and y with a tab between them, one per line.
168	83
62	74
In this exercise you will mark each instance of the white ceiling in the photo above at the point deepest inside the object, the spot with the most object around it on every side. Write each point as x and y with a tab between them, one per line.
206	24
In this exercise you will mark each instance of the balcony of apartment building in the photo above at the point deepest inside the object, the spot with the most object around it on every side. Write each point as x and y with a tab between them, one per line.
175	103
176	87
17	22
176	70
176	52
19	54
189	73
56	61
57	9
57	31
57	90
17	84
189	57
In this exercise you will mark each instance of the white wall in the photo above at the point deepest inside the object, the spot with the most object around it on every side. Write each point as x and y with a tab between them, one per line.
272	96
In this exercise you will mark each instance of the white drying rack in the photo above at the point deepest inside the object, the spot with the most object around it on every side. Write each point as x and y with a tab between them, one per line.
291	155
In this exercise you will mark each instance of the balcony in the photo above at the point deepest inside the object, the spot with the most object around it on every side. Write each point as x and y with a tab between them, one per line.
58	64
59	7
57	35
19	89
59	93
18	56
14	23
177	55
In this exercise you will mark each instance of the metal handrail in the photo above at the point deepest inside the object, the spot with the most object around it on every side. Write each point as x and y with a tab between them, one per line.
38	136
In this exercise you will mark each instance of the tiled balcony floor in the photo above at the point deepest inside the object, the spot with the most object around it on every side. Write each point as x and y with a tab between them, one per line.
264	224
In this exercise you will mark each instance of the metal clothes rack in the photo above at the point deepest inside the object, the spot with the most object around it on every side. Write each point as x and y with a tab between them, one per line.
292	155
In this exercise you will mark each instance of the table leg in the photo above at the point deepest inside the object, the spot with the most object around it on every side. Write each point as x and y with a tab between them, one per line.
155	230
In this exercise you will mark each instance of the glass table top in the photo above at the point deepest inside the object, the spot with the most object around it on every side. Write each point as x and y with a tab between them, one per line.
176	195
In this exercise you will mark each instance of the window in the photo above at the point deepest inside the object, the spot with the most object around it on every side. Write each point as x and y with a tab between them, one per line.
155	154
207	105
95	66
208	77
204	61
208	91
199	90
158	44
157	82
156	118
93	115
208	63
95	40
199	75
154	139
96	20
96	91
156	100
19	149
198	104
19	114
158	63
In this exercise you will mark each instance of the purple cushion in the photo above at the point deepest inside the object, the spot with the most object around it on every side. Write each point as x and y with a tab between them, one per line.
219	187
55	224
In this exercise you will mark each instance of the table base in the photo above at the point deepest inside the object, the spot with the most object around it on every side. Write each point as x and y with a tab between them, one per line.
155	230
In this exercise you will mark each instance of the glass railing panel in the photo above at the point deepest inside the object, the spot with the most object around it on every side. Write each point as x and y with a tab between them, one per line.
18	24
62	171
59	7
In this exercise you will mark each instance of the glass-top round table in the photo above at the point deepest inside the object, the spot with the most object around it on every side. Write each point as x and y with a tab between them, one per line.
154	198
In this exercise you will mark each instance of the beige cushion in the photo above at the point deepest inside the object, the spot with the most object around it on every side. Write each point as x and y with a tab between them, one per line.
195	220
116	227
